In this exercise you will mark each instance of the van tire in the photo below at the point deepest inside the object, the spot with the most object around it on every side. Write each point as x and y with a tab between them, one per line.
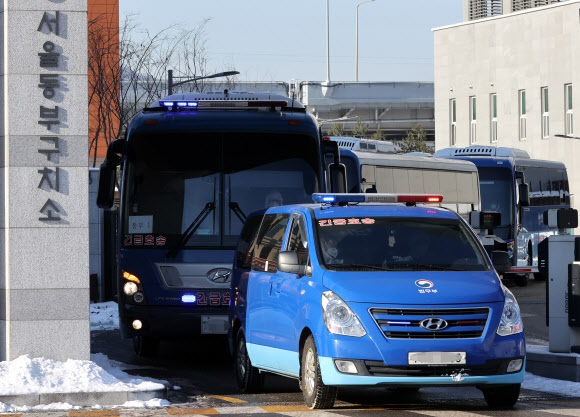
316	394
145	346
505	396
249	378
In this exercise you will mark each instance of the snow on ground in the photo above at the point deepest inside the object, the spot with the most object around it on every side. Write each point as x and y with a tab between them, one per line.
104	316
27	375
554	386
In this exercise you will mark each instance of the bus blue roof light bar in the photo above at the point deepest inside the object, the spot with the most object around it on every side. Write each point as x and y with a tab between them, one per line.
375	198
188	298
180	103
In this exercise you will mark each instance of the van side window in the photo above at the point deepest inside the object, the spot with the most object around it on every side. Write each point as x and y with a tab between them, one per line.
298	240
247	238
269	242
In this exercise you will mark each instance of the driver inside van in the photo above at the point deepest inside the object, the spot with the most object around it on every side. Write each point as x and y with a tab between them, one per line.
330	251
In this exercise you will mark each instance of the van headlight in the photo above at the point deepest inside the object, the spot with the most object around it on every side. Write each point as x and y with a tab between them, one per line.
339	318
511	320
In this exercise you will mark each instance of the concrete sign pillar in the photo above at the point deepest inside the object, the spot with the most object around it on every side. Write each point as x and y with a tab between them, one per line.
44	250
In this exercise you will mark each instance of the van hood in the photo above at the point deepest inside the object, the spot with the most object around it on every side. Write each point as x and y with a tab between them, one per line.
415	287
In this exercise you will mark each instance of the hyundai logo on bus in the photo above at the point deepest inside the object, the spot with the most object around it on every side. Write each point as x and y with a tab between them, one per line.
219	275
433	323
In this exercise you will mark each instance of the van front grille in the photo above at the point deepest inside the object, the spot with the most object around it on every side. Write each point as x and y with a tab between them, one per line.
400	323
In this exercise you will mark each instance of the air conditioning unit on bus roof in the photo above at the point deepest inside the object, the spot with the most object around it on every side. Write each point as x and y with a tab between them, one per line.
365	145
482	151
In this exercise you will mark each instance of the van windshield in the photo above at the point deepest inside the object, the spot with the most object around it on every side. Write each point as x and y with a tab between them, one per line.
406	243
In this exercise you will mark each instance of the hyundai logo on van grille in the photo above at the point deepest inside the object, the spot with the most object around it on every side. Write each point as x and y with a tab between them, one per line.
433	323
219	275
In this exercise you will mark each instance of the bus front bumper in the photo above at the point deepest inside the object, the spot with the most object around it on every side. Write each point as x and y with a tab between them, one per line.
174	322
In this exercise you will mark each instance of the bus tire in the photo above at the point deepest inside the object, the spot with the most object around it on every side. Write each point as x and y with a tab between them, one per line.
249	378
505	396
145	346
522	280
317	395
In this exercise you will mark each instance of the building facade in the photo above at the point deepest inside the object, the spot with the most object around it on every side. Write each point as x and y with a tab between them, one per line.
511	80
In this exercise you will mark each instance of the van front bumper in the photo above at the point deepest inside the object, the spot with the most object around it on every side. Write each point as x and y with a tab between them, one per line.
331	376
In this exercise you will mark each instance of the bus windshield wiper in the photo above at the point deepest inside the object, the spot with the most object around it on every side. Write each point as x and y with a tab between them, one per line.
209	207
235	207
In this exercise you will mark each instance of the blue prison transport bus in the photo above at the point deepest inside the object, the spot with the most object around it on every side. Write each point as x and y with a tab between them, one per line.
361	290
376	172
193	167
501	171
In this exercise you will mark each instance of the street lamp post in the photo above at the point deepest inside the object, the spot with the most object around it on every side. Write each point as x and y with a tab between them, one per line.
171	84
356	54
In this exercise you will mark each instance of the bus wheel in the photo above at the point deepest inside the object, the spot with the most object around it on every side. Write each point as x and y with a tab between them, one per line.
145	346
316	394
249	378
504	396
522	280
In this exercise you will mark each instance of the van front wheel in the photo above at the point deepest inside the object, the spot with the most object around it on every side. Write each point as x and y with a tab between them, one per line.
504	396
316	394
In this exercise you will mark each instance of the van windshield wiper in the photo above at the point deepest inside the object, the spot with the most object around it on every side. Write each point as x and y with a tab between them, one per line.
358	267
424	267
209	207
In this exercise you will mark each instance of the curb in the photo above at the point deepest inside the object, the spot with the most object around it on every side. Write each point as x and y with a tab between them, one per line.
84	399
541	362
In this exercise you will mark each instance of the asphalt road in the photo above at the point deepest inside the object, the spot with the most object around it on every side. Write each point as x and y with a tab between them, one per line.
204	371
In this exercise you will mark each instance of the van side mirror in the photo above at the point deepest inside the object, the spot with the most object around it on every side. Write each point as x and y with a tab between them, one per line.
524	194
288	262
115	152
106	191
501	261
337	174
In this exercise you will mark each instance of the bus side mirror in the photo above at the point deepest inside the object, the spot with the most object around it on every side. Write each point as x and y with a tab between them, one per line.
288	262
484	219
116	152
337	173
106	192
501	261
524	194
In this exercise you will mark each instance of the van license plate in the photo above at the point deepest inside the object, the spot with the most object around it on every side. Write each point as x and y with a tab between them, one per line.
437	358
214	324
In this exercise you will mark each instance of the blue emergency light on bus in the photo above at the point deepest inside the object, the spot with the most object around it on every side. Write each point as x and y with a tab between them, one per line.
180	103
188	298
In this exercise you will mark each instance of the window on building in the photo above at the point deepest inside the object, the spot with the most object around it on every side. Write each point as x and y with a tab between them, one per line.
493	114
569	109
545	114
452	122
522	113
472	120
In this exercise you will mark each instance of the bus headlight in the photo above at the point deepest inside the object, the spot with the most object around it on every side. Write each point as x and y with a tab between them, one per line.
339	318
130	288
511	320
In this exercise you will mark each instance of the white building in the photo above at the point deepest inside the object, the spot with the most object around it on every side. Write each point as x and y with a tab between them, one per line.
508	76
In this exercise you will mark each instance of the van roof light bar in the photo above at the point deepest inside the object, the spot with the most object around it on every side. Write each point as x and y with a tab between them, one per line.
409	199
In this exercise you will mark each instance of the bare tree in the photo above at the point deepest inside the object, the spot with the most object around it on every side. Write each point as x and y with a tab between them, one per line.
128	71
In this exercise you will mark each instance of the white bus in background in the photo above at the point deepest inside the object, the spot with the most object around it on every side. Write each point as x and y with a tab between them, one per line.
457	181
365	145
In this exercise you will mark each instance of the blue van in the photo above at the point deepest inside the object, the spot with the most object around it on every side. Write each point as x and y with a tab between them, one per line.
361	290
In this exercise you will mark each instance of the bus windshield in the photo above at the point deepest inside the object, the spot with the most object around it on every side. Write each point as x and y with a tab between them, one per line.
410	244
497	195
174	179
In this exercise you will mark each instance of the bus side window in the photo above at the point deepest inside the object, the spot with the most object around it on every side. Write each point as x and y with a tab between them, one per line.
269	242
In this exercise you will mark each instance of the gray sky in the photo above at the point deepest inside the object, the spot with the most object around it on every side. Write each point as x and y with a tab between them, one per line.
273	40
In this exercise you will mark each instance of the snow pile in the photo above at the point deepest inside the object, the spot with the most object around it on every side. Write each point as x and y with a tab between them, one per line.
104	316
27	375
7	408
554	386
